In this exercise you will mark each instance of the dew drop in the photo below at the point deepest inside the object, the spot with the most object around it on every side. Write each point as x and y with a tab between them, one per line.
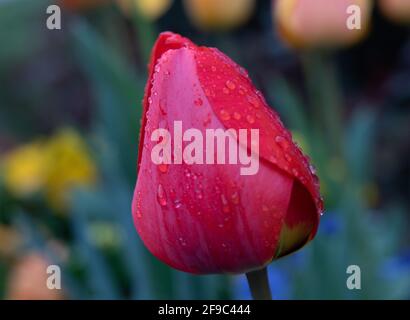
236	116
288	157
226	90
182	241
250	119
225	205
163	168
177	204
254	102
224	115
213	68
282	142
199	194
235	197
161	196
139	213
207	120
198	102
230	85
162	107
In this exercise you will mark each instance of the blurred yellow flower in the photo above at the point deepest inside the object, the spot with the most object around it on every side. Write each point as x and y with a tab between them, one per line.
396	10
24	169
219	15
69	165
321	23
53	166
150	9
28	280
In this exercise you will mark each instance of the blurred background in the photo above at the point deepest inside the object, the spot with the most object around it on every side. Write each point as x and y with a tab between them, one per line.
70	104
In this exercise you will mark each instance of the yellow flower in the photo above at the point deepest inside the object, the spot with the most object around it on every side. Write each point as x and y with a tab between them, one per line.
24	169
69	165
321	23
150	9
396	10
53	166
219	14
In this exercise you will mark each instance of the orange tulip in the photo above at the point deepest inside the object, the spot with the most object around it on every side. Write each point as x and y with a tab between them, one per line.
396	10
214	15
321	23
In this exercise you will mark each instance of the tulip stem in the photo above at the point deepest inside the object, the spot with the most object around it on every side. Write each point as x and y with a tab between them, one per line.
259	284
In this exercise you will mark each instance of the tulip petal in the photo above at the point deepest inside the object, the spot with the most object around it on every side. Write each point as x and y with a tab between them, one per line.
239	106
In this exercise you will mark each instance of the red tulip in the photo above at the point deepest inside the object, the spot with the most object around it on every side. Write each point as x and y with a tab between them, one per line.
208	218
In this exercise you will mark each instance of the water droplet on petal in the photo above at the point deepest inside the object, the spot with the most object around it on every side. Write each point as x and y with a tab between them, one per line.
163	168
177	204
198	102
236	116
161	197
225	205
207	120
254	102
235	197
282	142
312	169
224	115
230	85
199	194
250	119
182	241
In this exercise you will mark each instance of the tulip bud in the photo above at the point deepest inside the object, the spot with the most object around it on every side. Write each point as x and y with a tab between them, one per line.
217	15
151	9
322	23
210	215
396	10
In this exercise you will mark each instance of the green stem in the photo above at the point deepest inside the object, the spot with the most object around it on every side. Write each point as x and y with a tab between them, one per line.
259	284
